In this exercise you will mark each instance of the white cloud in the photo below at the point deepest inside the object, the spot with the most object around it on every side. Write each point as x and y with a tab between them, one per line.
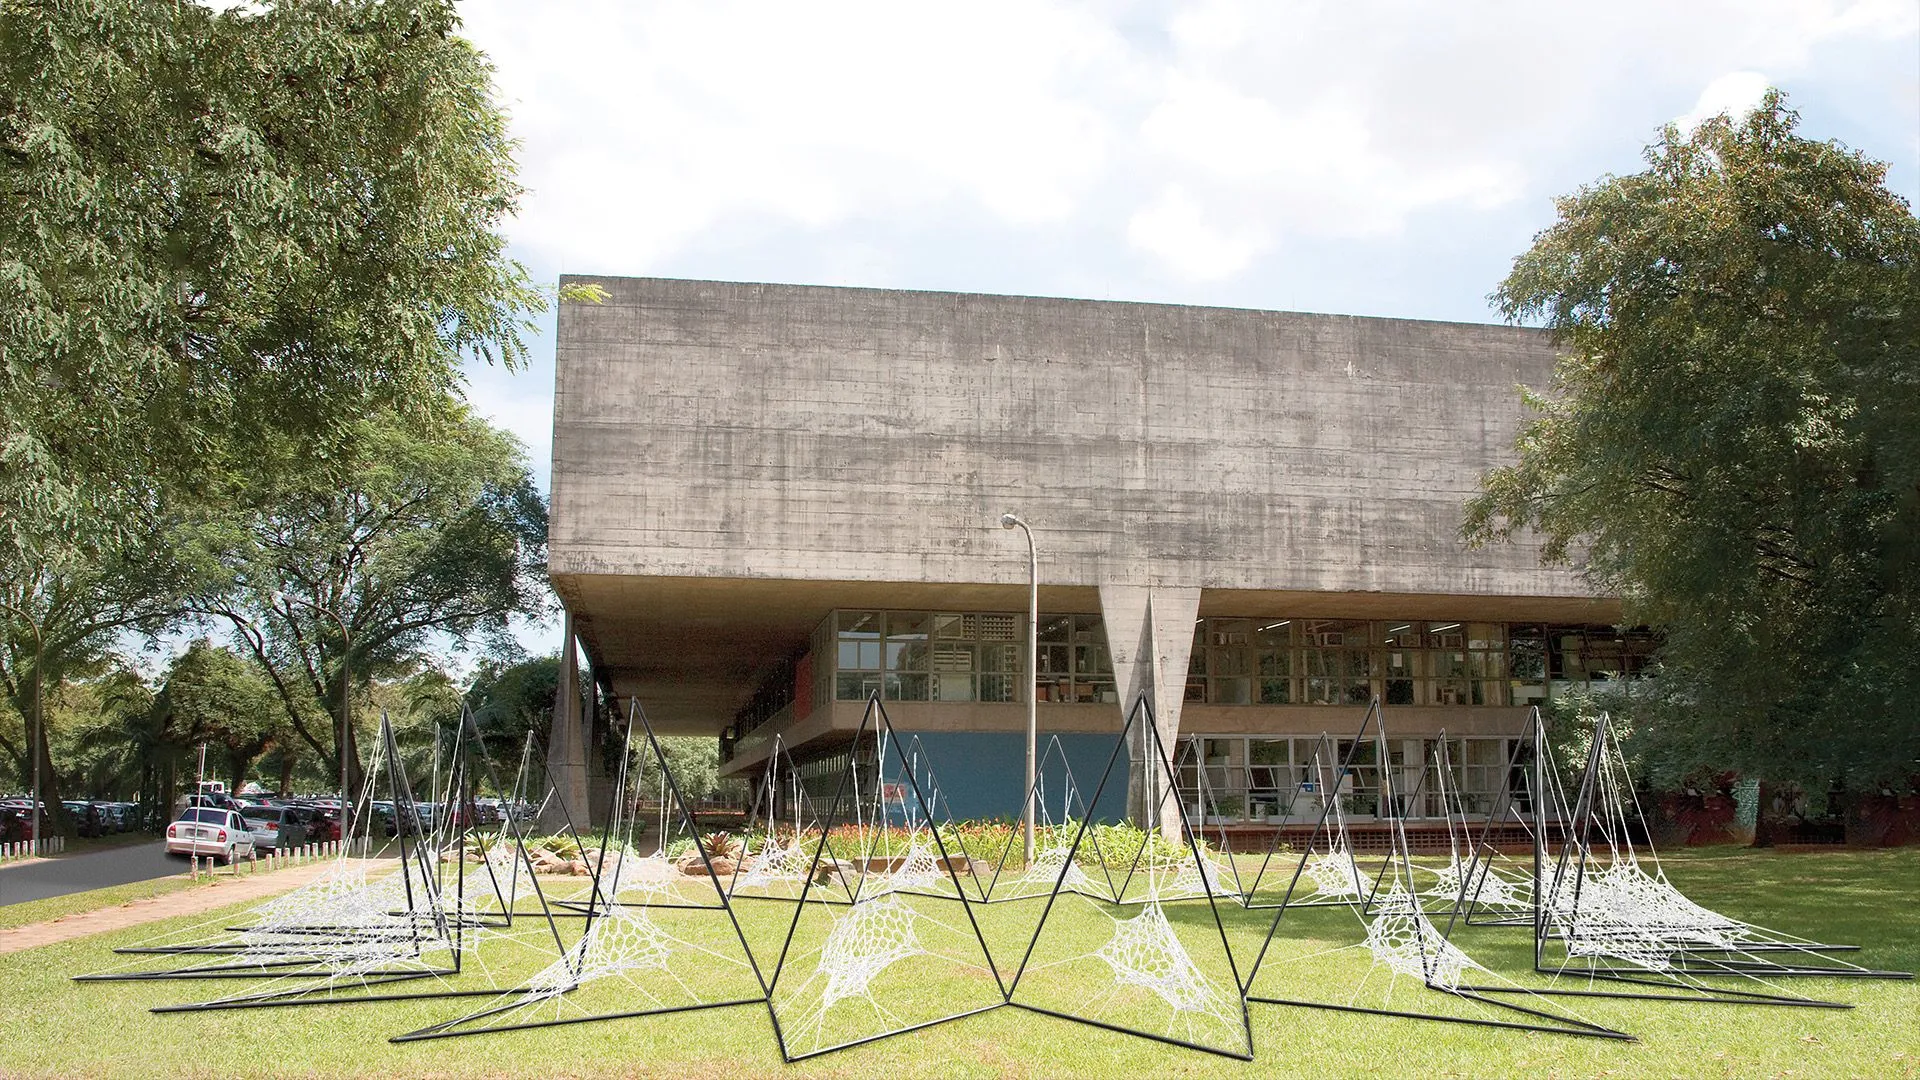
1243	151
1175	228
1736	94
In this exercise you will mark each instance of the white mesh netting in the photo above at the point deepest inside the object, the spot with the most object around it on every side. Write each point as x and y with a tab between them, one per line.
776	863
1486	887
1334	874
864	942
919	870
1039	876
1144	952
1402	938
620	940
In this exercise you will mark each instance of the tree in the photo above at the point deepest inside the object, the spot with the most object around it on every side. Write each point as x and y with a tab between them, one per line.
223	226
1732	442
222	230
61	620
212	696
432	534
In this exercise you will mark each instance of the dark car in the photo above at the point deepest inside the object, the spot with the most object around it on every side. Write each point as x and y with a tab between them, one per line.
274	828
14	826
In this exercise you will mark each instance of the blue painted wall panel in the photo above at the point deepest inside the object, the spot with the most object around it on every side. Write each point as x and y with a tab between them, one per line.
982	774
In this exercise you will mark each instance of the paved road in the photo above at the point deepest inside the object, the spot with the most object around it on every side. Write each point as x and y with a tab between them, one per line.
37	880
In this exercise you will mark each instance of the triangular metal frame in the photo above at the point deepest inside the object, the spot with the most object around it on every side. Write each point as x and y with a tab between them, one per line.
1140	718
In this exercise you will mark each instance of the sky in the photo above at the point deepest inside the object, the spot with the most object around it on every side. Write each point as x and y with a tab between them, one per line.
1361	157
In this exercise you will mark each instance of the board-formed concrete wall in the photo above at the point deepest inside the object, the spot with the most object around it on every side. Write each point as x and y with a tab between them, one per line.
712	429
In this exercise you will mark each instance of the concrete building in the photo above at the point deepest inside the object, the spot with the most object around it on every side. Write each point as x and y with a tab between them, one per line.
770	500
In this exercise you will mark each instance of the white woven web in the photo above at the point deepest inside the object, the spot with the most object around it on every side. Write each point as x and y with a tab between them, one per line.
1486	887
1401	937
918	870
1144	952
776	863
1624	913
1334	874
1197	877
621	939
642	876
1045	869
870	938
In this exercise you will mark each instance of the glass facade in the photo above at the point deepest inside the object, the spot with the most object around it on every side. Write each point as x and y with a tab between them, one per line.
928	656
1255	777
979	656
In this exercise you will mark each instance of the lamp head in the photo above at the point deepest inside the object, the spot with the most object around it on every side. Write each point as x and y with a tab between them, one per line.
1008	521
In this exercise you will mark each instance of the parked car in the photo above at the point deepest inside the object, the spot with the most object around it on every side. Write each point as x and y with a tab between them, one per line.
274	827
207	830
14	826
88	818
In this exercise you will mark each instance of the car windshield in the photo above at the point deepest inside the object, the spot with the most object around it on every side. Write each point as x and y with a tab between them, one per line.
205	816
264	813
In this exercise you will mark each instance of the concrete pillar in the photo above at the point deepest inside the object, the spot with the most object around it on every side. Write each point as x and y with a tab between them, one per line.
597	728
1150	635
567	744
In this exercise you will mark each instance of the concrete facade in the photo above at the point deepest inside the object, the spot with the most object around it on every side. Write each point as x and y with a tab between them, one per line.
733	461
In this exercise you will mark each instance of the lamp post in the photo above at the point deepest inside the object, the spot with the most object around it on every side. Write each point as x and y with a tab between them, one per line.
39	716
1010	521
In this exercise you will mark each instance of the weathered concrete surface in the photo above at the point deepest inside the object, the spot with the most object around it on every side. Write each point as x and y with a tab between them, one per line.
723	432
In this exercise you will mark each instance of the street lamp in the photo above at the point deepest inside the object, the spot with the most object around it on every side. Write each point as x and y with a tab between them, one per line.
39	716
1010	521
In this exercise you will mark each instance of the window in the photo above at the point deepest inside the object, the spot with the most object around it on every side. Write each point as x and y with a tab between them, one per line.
1337	659
928	656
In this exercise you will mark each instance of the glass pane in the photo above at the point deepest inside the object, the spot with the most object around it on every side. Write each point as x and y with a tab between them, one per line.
1229	662
1486	635
948	686
1089	629
907	655
1278	632
869	654
1053	659
1274	662
1229	631
1276	691
1404	635
860	622
1270	751
1091	660
1236	691
1056	627
908	624
951	626
906	687
996	687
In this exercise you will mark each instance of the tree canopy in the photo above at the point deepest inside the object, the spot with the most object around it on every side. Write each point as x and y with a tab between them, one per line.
1732	442
436	532
228	226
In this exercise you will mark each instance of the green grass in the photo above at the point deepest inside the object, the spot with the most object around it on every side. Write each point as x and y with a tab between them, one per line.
56	1027
60	907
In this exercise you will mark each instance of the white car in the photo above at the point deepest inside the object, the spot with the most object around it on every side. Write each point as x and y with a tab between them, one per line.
206	830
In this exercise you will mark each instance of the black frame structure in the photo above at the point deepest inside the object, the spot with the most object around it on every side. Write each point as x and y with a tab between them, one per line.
875	722
1681	981
1154	759
600	903
313	971
1536	1020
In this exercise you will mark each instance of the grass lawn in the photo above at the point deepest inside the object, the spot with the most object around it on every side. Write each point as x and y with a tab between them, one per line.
28	912
56	1027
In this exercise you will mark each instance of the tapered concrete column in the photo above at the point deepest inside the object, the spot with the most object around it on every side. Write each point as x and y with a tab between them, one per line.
567	744
1150	635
